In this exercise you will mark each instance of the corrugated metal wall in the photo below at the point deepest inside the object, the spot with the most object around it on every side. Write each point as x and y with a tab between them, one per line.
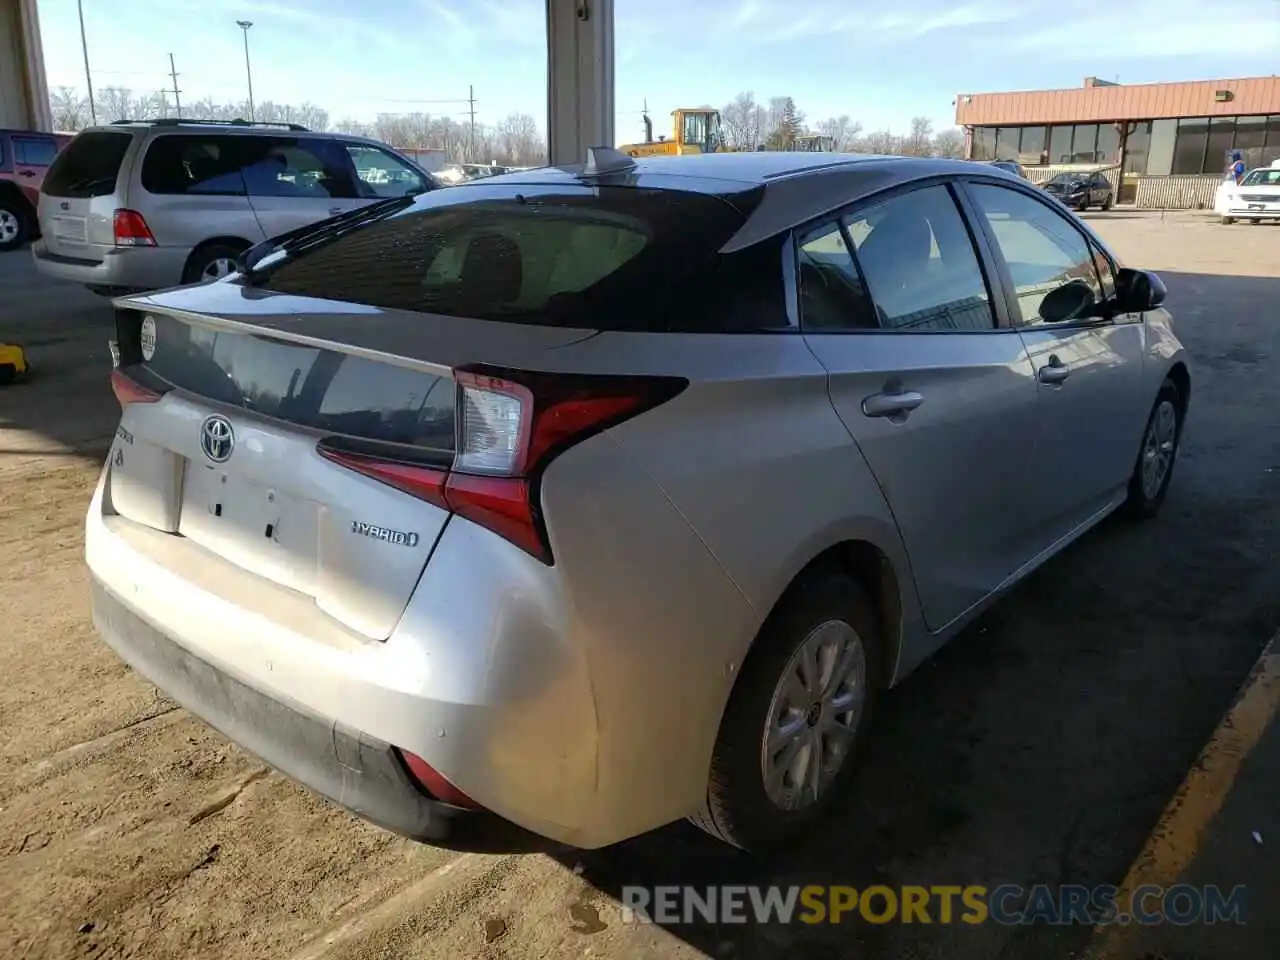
1177	192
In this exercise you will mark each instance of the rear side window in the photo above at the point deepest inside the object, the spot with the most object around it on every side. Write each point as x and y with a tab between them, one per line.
89	165
298	167
34	151
613	257
205	165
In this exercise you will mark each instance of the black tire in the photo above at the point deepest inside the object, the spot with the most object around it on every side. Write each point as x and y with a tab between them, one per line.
1141	503
1227	221
738	809
202	257
15	222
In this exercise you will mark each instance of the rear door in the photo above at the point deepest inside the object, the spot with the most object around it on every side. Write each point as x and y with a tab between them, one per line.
80	194
32	156
1089	373
192	190
296	181
939	396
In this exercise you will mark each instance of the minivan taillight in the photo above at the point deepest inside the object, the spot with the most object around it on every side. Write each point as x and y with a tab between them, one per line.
131	230
510	425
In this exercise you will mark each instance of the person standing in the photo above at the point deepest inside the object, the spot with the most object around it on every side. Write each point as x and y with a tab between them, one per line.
1237	166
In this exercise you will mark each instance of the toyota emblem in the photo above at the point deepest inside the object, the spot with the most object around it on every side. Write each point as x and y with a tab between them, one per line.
217	439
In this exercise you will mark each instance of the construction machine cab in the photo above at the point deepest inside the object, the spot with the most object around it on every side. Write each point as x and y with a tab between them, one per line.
697	129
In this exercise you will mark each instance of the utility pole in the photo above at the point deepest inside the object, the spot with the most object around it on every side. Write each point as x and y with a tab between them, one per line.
248	70
173	72
471	137
88	79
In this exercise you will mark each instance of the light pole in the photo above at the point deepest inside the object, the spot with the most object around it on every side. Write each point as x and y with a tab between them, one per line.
84	46
245	25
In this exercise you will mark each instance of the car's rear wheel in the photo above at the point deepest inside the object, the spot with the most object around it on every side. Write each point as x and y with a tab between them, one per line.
14	225
210	263
784	756
1156	456
1227	221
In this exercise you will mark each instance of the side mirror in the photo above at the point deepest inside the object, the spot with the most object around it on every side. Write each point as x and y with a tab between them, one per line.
1071	301
1139	290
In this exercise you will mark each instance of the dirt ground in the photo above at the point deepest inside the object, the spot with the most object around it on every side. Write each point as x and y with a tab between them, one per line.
128	829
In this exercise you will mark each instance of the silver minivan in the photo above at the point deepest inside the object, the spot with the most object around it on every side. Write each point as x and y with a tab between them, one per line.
151	204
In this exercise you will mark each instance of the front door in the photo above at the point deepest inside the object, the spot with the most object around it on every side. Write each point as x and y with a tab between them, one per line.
941	401
1089	373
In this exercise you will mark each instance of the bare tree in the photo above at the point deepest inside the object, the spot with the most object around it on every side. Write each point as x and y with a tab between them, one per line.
115	103
357	128
517	141
786	123
70	110
883	142
919	142
742	121
948	143
842	131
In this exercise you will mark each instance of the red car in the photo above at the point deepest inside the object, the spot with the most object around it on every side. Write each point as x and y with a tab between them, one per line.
24	158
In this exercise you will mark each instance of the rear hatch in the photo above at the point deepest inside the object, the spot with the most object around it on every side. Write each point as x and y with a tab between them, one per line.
79	197
239	458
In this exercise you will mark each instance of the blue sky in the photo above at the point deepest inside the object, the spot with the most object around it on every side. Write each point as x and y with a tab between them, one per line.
880	63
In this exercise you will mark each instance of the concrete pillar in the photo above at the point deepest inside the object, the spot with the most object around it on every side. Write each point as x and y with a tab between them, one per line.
24	92
579	78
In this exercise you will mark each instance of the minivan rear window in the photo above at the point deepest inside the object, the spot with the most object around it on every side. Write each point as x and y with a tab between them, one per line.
622	258
88	166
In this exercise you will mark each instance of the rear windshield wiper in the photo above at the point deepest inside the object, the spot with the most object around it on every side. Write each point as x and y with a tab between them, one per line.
87	183
315	234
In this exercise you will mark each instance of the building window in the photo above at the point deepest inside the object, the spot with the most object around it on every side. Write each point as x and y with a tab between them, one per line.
984	143
1135	150
1108	143
1060	144
1033	143
1188	152
1222	133
1251	140
1271	153
1007	143
1084	145
1164	134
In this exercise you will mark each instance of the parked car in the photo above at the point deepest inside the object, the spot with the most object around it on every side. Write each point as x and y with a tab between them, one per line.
1011	166
1255	198
596	498
462	172
25	156
1081	190
143	205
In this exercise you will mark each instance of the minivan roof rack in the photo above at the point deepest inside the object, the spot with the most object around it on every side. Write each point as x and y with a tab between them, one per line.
184	121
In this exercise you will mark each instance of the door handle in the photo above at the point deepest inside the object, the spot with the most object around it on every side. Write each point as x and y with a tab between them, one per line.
26	173
334	211
891	404
1055	371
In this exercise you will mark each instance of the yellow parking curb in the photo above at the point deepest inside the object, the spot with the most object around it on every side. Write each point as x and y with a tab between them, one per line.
1173	843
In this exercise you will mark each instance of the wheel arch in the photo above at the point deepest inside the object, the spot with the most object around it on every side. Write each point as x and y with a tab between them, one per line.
1181	378
239	243
12	193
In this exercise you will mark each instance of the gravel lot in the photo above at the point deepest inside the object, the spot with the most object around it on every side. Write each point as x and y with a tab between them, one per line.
1040	746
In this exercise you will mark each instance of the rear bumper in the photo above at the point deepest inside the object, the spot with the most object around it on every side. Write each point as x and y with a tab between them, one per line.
348	766
1244	213
135	268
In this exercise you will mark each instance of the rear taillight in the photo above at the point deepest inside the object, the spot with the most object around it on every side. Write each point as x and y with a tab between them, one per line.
510	425
128	391
131	230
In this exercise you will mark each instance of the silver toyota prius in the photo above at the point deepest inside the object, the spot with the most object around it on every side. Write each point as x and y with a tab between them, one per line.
592	498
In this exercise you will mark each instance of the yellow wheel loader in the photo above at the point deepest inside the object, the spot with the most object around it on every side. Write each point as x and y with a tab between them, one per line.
693	130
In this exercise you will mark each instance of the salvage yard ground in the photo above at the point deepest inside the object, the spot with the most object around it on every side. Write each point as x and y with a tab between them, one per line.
1039	747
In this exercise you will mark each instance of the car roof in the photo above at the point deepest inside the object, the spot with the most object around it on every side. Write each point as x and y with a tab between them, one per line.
232	128
796	187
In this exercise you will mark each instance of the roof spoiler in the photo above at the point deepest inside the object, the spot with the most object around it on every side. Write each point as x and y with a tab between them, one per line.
605	160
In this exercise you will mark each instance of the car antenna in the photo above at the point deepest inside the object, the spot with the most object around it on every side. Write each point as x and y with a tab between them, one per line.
605	160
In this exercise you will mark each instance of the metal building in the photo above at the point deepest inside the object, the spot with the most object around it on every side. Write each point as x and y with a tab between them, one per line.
1164	144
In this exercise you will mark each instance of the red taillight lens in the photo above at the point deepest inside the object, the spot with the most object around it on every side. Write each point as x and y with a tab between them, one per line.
127	391
131	230
511	424
435	784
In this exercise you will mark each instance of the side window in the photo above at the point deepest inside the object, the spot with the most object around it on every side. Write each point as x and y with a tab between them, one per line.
382	175
34	151
1042	249
182	164
4	152
832	296
298	168
920	264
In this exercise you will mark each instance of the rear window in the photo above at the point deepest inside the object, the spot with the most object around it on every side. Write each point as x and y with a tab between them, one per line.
89	165
621	258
